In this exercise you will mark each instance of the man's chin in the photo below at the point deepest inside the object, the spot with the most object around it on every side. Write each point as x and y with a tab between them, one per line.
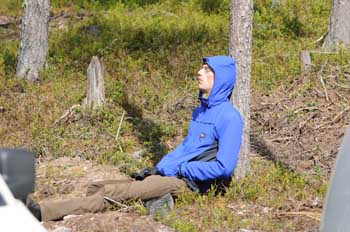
204	92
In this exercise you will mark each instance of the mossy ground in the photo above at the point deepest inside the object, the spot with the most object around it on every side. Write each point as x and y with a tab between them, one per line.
151	50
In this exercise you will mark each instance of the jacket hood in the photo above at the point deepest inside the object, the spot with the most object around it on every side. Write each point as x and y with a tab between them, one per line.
224	68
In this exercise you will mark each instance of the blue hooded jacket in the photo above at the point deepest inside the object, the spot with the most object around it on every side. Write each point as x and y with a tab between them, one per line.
214	121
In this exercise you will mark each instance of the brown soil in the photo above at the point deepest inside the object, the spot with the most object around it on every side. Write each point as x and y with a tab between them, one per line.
302	126
107	222
67	177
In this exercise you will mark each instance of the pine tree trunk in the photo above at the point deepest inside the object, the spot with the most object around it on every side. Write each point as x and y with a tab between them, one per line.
240	47
34	38
339	25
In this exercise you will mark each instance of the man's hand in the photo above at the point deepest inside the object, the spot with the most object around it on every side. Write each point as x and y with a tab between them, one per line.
144	173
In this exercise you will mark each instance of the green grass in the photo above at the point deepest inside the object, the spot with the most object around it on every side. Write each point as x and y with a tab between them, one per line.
144	37
10	7
150	53
151	50
249	203
280	34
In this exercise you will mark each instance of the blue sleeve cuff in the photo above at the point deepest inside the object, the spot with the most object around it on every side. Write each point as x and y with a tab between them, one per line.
179	171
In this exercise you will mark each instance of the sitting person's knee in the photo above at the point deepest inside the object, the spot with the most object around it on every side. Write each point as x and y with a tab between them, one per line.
93	187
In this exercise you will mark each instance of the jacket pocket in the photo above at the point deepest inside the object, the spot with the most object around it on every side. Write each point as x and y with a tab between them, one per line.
205	134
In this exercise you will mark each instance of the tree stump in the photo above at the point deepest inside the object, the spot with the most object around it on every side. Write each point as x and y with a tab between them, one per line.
305	61
274	3
95	95
34	38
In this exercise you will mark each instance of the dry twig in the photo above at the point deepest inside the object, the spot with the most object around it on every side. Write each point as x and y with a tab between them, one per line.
313	215
319	74
67	114
319	39
341	86
279	139
340	115
123	206
336	118
311	108
118	132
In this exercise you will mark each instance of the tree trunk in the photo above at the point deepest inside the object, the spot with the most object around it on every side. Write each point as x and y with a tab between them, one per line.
339	25
34	38
240	47
95	95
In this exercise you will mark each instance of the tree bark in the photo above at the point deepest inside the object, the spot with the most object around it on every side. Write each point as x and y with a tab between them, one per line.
95	95
339	25
305	61
34	38
240	47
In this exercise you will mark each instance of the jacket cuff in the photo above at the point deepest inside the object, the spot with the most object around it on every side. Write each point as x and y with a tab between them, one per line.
179	170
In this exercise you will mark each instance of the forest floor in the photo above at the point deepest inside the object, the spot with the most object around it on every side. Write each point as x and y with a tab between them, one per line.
65	177
296	130
302	125
297	127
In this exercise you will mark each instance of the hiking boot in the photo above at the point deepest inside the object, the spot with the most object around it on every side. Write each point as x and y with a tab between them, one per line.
34	208
160	206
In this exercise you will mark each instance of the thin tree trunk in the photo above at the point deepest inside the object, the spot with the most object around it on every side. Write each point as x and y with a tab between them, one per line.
240	47
34	38
339	25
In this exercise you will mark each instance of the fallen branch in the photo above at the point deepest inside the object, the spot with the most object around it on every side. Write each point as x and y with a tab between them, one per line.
319	40
313	215
311	108
279	139
123	206
341	86
118	131
319	74
341	96
336	118
324	52
67	114
340	115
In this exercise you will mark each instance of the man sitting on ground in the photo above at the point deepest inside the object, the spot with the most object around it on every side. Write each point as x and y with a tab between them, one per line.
208	153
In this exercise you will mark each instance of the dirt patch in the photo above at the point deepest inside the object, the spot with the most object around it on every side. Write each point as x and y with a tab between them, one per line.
302	218
302	126
68	177
6	20
110	221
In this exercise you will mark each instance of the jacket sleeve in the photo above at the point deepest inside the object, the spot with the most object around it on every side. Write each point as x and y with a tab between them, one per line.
167	166
229	137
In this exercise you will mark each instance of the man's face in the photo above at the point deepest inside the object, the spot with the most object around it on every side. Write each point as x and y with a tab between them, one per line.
205	78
